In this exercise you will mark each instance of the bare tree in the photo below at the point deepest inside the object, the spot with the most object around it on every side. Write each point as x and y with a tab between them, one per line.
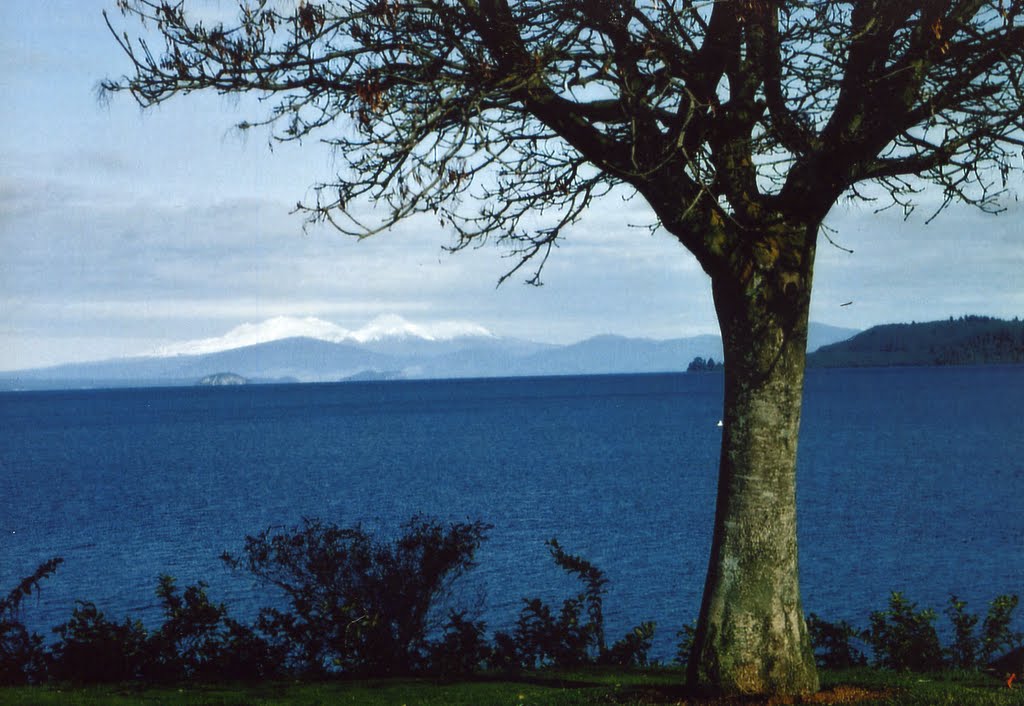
740	122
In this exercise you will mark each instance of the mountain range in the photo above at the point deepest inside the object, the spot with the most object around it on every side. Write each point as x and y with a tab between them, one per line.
311	350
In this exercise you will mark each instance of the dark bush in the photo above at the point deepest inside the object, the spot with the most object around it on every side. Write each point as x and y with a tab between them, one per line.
633	648
970	651
462	650
542	639
996	635
199	641
505	653
904	638
687	636
93	649
964	652
355	604
575	635
831	643
23	658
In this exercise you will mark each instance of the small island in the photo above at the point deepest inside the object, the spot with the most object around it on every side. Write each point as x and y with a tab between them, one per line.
700	365
375	376
223	379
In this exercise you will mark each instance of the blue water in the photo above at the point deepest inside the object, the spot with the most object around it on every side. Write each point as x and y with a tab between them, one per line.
909	479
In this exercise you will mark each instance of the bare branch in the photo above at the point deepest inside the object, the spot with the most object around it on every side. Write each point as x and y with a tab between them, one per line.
492	115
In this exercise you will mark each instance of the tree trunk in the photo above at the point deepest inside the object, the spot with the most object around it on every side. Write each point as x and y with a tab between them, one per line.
751	636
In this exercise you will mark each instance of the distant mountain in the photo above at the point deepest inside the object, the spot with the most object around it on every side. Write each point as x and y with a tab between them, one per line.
616	354
822	335
391	348
969	340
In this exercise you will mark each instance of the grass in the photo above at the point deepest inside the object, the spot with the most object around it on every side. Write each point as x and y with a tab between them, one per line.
589	687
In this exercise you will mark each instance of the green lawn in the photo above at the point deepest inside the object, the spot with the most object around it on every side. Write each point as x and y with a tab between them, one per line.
586	687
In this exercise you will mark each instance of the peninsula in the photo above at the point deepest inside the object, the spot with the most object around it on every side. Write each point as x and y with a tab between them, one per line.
968	340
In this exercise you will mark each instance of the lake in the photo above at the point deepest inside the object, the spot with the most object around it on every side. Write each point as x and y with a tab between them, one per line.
909	479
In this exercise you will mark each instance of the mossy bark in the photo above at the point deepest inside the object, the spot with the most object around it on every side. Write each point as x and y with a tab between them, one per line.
751	636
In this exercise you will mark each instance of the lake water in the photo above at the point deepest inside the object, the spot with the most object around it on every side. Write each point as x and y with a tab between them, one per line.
909	479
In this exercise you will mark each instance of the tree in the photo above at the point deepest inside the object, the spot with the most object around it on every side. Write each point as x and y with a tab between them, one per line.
739	122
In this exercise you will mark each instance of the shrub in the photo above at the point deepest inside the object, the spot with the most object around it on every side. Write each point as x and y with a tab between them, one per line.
568	638
198	640
687	636
575	635
633	648
356	604
969	651
93	649
831	643
541	639
996	635
904	638
22	656
462	650
963	653
505	653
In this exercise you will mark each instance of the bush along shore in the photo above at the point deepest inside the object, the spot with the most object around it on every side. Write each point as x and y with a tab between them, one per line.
358	607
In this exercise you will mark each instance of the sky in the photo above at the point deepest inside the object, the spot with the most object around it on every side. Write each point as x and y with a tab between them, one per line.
124	231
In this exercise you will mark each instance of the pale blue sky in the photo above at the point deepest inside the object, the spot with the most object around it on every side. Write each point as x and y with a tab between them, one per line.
121	232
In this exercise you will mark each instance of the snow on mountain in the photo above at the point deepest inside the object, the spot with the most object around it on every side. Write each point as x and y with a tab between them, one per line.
394	326
249	334
387	326
389	347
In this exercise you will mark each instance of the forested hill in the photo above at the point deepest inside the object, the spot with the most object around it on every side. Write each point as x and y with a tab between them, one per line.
969	340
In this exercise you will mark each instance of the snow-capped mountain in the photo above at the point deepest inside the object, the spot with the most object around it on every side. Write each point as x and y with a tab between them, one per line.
313	350
387	326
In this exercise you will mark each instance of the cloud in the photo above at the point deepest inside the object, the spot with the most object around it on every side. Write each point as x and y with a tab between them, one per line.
85	257
123	231
964	262
280	327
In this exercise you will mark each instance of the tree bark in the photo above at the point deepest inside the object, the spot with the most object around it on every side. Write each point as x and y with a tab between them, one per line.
751	637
